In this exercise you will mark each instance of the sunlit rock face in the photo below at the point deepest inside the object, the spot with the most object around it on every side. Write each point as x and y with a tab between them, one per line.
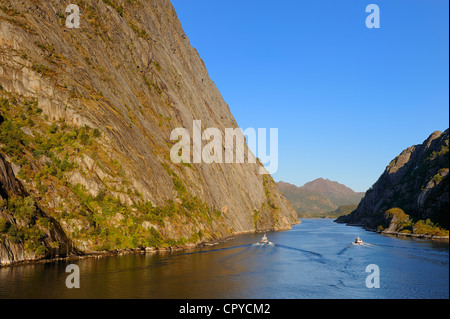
110	93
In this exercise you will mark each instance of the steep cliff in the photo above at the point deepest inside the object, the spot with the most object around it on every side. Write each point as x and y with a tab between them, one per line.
87	116
414	187
26	232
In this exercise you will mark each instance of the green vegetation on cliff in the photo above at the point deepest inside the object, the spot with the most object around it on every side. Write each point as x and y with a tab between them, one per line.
47	152
30	226
397	221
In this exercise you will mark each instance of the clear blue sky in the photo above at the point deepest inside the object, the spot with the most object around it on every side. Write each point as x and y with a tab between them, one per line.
346	99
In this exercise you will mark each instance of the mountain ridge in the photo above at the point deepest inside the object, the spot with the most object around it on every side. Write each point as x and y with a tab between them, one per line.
320	196
412	194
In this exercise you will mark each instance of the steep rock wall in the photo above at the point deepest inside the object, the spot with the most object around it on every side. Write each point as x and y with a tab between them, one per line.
416	181
129	73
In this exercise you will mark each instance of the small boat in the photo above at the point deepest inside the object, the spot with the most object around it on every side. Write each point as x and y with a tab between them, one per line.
358	240
264	240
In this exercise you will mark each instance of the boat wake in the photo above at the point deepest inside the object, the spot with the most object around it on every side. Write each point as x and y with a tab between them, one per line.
361	244
353	245
264	244
298	249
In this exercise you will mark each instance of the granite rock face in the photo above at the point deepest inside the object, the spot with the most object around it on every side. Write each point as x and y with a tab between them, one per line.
129	73
49	239
416	181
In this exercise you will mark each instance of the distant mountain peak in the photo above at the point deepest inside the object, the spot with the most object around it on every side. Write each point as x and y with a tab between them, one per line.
326	185
319	196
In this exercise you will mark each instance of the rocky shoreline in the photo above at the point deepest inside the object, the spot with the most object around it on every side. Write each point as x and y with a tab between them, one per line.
129	251
120	252
397	234
420	236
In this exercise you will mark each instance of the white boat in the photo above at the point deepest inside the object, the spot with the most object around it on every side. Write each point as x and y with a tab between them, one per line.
358	240
264	240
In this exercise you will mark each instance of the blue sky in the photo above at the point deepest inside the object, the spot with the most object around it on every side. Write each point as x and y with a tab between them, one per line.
346	99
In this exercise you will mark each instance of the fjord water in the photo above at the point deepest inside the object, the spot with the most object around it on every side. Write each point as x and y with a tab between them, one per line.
313	260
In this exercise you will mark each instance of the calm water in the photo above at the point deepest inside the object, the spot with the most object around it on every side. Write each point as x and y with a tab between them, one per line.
313	260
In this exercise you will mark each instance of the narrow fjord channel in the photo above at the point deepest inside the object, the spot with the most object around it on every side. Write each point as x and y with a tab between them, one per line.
313	260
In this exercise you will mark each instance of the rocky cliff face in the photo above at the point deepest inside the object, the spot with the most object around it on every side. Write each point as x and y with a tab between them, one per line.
26	232
86	121
415	182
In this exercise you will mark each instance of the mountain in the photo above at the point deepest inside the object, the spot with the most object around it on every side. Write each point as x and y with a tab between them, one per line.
340	211
86	116
318	197
412	195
